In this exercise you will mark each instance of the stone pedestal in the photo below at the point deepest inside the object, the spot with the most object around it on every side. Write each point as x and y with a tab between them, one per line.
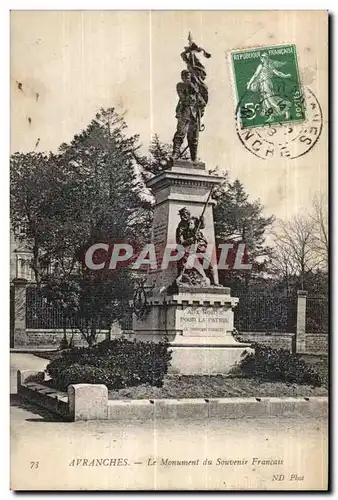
185	184
197	320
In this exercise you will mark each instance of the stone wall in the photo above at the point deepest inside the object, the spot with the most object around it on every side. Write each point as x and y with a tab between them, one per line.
52	338
274	340
316	343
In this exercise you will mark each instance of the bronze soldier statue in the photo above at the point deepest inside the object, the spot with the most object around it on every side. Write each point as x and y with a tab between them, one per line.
193	98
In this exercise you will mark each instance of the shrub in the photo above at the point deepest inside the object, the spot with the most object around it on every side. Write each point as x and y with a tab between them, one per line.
63	344
278	365
117	363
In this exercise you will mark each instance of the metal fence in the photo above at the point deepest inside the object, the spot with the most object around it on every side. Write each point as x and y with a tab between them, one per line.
43	315
266	312
317	314
40	314
256	312
126	323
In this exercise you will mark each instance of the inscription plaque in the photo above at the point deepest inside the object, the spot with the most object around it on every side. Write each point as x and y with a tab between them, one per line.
204	320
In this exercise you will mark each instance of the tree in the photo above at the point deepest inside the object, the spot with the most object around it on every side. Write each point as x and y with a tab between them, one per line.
159	158
300	253
92	193
101	160
319	216
283	267
90	300
294	241
36	188
156	161
238	220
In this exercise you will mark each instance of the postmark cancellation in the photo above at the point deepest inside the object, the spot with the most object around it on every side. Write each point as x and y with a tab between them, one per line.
275	114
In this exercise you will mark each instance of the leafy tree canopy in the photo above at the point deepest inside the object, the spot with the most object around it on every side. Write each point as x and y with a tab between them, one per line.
88	192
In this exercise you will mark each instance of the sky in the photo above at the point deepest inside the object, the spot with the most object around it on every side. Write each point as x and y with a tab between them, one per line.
71	63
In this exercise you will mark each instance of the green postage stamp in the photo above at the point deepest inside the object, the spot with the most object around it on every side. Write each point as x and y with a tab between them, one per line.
268	87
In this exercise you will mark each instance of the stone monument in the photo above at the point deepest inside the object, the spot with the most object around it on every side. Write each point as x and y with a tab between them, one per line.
184	301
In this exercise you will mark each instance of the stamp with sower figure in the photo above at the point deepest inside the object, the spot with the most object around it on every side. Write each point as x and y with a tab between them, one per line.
268	86
275	115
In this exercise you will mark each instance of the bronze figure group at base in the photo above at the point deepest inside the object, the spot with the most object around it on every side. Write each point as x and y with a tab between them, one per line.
195	268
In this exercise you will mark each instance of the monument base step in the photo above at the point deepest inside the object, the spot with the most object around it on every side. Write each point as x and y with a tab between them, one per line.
206	359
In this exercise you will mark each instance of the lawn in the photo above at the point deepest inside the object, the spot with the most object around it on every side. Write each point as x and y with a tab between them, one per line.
215	386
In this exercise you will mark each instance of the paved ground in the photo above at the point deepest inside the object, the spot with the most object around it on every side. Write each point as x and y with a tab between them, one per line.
50	454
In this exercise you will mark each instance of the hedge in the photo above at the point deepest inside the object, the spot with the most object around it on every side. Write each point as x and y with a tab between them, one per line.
116	363
278	365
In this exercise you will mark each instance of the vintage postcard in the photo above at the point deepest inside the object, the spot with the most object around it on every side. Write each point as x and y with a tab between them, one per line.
169	250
